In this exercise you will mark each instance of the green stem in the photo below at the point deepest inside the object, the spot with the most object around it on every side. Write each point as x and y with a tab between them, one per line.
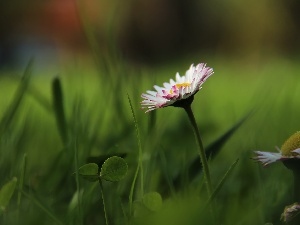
140	161
132	189
203	158
79	208
102	195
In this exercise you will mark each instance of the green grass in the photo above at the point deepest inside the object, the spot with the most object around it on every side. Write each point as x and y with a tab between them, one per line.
99	123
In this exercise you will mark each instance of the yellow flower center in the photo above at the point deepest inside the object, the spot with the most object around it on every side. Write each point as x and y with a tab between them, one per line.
292	143
183	85
179	86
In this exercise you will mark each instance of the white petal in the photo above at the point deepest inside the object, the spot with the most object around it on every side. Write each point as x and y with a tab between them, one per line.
172	82
297	150
149	97
267	157
189	73
153	93
178	78
158	88
167	85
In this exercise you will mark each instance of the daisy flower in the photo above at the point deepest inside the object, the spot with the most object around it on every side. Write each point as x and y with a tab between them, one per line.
182	90
290	150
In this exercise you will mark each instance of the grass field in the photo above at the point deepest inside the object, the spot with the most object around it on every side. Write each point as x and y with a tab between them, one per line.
46	136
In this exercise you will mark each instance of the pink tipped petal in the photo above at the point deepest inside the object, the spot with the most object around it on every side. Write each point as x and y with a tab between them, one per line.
266	158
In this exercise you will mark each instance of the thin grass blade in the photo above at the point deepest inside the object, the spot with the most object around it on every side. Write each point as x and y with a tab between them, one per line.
18	97
222	181
41	99
21	183
211	151
140	164
6	193
43	208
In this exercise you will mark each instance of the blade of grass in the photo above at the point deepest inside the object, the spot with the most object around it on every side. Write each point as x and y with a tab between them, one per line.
17	100
44	209
163	161
58	104
222	181
40	98
214	148
6	193
211	151
124	212
21	183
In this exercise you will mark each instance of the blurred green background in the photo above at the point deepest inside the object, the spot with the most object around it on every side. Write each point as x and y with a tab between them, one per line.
100	51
